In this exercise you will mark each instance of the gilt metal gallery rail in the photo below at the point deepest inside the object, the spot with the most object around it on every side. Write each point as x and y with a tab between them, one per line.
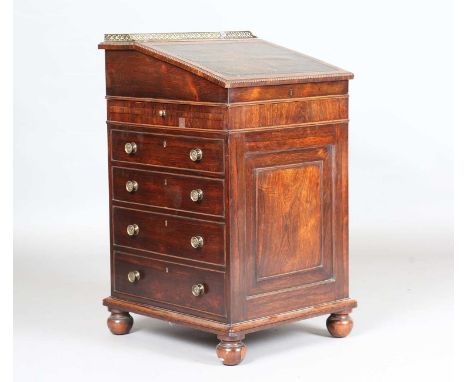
125	37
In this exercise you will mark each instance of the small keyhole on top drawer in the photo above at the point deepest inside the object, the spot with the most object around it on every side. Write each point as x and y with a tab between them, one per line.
165	223
164	144
165	182
167	270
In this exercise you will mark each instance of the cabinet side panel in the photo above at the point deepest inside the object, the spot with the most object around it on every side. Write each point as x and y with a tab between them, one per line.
288	208
134	74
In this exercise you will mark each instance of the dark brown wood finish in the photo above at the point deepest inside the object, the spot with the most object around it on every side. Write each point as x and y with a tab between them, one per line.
231	352
233	63
169	235
134	74
339	324
119	322
288	251
169	191
233	330
291	112
273	218
163	113
169	283
168	151
288	91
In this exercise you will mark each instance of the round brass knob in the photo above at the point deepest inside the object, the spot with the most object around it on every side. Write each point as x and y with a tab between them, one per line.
198	290
133	276
130	148
196	241
196	155
196	195
131	186
133	230
162	113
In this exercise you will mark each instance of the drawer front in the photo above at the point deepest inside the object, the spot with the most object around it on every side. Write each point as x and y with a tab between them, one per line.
167	114
168	150
169	283
318	109
169	235
159	189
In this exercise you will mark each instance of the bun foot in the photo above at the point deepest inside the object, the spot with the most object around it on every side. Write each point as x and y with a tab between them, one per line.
231	352
339	325
119	322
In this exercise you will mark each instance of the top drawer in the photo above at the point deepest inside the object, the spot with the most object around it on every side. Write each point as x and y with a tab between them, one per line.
173	151
167	114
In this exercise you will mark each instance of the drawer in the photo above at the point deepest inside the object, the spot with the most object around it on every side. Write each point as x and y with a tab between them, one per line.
169	235
277	113
168	150
180	192
167	114
169	283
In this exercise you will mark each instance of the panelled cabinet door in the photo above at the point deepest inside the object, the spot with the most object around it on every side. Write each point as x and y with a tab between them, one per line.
292	218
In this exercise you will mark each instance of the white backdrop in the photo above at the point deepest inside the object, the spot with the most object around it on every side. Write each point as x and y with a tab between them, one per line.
400	176
400	106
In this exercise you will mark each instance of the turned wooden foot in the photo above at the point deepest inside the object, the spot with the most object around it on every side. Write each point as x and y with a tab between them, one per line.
119	322
231	352
339	325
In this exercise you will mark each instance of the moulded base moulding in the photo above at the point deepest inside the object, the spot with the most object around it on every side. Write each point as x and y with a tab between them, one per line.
231	350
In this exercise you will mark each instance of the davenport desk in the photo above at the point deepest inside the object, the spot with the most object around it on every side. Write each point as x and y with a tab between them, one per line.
228	178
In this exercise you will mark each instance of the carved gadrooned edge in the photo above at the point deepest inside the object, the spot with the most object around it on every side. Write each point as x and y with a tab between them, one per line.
148	37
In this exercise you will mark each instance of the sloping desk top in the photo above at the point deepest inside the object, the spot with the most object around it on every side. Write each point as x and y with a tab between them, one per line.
229	59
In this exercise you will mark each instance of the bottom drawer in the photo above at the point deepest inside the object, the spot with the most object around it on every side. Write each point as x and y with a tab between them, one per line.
169	283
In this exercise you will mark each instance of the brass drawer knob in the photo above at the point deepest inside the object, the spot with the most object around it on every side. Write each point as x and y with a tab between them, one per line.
133	276
131	186
130	148
133	230
162	113
198	290
196	195
196	155
196	241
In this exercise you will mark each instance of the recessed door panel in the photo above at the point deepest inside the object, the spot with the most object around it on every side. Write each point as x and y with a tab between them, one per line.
289	219
291	240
